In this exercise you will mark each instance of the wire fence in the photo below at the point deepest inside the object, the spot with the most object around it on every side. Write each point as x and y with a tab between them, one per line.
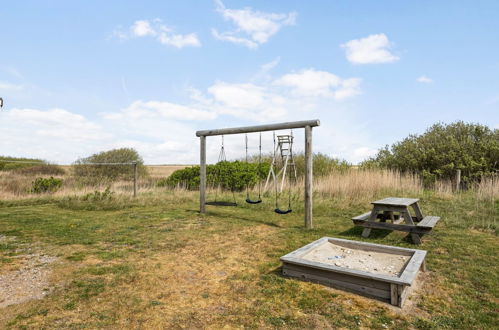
134	165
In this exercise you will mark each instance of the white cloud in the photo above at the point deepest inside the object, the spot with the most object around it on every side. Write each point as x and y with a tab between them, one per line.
363	153
316	83
372	49
253	28
142	28
165	110
4	85
163	131
424	80
162	33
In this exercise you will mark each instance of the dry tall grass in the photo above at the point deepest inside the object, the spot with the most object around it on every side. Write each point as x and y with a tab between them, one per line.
353	184
362	184
488	188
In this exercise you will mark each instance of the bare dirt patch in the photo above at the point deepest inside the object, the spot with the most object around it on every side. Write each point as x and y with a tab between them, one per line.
29	281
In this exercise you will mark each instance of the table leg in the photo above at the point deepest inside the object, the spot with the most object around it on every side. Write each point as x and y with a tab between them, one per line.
372	218
416	239
417	210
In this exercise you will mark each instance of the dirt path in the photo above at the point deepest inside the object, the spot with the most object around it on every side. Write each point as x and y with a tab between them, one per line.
29	281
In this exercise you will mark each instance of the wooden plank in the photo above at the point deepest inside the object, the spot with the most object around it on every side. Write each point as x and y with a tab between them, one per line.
367	282
394	294
362	217
259	128
368	246
372	219
396	201
202	175
393	226
308	177
417	210
416	239
383	295
403	292
412	268
429	221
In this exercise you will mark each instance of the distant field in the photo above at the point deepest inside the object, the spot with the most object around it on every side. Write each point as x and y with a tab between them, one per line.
155	171
161	171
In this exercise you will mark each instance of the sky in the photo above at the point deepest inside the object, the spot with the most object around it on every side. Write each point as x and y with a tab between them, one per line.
79	77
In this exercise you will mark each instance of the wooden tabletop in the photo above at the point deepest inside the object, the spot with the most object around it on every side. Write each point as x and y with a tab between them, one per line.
396	201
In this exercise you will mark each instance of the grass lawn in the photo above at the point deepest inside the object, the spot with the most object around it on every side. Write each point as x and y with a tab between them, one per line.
157	263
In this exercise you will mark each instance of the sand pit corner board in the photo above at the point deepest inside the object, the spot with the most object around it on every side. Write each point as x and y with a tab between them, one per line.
377	271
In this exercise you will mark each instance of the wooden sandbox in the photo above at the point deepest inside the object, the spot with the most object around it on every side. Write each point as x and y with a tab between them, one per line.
378	271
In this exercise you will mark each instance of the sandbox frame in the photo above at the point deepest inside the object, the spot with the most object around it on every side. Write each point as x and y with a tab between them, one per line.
390	289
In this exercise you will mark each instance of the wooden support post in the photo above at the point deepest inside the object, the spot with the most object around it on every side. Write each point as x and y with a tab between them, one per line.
202	182
308	177
135	177
458	180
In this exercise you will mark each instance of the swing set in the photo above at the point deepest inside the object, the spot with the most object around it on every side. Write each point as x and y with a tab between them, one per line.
282	155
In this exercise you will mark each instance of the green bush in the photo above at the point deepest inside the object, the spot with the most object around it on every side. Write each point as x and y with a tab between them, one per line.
89	173
98	200
46	185
323	164
234	175
441	150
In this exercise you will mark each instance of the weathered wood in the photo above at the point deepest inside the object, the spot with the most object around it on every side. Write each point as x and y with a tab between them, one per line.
394	294
372	219
259	128
330	279
295	257
412	267
417	210
202	174
308	177
396	201
392	226
135	177
363	216
391	289
416	239
370	283
429	221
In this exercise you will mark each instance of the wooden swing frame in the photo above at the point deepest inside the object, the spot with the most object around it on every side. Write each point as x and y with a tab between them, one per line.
307	125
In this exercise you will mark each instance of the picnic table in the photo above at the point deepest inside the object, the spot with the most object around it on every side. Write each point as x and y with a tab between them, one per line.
396	210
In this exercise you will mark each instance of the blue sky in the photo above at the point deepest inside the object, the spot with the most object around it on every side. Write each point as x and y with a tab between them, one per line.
81	77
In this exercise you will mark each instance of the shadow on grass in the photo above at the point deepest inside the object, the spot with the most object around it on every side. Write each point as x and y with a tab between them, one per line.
357	232
243	219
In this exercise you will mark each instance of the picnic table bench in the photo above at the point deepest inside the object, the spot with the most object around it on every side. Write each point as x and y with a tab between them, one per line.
385	210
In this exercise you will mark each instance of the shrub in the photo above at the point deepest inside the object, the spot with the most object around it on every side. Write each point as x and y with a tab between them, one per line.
97	200
441	150
234	175
322	165
83	167
45	169
46	185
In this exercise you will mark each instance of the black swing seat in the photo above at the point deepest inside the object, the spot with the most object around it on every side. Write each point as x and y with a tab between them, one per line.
279	211
221	203
249	201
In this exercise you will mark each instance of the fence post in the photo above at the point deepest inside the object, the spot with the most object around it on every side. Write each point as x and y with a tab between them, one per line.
458	180
135	175
308	177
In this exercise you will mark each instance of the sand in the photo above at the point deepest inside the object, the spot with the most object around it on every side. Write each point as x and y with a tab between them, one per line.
358	259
